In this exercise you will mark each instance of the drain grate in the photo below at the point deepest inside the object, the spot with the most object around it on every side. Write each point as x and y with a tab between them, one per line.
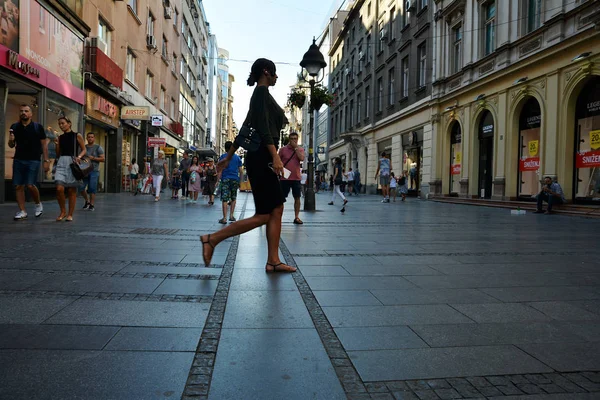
154	231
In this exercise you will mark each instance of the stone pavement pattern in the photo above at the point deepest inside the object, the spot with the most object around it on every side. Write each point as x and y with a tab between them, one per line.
414	300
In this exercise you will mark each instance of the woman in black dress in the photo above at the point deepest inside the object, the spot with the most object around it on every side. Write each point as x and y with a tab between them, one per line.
264	167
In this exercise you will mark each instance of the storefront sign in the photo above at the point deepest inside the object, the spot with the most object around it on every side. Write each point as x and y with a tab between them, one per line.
534	121
595	140
587	159
488	129
320	150
533	147
593	107
157	142
23	67
169	151
135	112
157	120
455	170
101	109
192	148
529	164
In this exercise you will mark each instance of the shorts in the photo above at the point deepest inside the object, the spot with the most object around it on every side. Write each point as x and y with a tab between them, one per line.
229	189
294	185
133	176
91	182
384	180
25	172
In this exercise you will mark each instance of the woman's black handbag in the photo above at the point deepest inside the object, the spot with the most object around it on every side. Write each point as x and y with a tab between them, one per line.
82	168
248	138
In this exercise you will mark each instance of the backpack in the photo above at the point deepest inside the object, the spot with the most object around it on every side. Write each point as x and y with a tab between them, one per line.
193	177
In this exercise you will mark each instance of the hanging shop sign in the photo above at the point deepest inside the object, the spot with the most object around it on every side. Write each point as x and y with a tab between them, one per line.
101	109
455	169
529	164
135	112
157	120
587	159
157	142
169	151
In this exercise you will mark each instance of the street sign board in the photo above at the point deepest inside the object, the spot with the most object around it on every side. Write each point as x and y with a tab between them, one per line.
169	151
157	142
135	112
157	120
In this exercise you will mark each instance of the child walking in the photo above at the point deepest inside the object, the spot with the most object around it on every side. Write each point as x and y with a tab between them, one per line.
393	186
175	184
403	185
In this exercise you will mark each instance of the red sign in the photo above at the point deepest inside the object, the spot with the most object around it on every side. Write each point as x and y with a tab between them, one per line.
157	142
529	164
455	169
106	107
587	159
101	64
177	128
21	65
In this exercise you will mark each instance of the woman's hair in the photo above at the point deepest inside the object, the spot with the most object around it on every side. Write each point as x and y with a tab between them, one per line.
161	152
197	161
65	118
133	160
257	69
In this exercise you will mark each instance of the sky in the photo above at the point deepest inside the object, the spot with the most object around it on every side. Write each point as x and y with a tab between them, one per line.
280	30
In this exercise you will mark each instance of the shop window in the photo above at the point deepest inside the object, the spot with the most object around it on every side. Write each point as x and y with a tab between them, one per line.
104	33
587	143
455	157
529	148
486	154
489	27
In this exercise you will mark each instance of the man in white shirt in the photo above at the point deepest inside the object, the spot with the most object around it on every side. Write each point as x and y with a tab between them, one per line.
303	179
350	177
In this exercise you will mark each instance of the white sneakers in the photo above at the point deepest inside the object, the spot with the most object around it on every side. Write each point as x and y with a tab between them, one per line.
20	215
39	210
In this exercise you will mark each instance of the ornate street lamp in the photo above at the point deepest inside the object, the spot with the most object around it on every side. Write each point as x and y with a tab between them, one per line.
313	62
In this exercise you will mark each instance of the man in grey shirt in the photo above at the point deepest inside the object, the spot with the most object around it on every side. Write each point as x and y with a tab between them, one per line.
95	152
184	164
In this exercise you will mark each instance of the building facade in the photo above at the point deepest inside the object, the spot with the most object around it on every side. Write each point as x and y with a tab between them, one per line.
517	98
223	70
42	45
381	75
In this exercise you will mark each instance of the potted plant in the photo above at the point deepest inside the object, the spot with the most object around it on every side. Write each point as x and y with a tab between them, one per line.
320	96
296	98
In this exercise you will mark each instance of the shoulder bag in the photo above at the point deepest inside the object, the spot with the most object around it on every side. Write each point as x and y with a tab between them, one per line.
248	138
81	168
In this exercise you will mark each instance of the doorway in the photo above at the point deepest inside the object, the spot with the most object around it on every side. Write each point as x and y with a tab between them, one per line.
529	145
486	154
455	158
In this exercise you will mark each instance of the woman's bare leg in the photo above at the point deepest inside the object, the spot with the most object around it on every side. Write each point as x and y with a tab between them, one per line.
72	192
273	236
60	197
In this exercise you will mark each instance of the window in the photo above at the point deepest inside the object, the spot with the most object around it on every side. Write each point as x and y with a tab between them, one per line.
406	15
342	122
457	49
422	4
361	58
104	34
533	13
490	27
369	9
163	97
150	28
380	41
182	66
174	64
358	107
165	49
175	18
368	102
379	94
405	76
183	26
368	49
131	64
172	108
352	119
393	23
391	86
149	85
422	53
42	20
132	4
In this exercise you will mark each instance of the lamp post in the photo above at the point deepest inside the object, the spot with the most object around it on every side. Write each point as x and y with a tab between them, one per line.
313	62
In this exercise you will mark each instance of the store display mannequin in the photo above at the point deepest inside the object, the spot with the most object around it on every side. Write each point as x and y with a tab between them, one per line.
413	174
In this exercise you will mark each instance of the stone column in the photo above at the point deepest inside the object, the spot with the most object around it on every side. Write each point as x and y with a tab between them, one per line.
373	159
114	161
500	150
427	159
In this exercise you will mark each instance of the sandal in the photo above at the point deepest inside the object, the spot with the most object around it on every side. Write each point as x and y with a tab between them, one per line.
61	217
232	218
223	221
69	219
298	221
207	263
275	269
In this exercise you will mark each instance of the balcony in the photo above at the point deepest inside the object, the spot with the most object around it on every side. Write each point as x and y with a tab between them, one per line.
102	65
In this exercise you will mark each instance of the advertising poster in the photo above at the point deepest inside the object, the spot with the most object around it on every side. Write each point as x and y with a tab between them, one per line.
9	24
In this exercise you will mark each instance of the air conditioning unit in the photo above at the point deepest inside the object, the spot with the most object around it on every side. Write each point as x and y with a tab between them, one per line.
361	56
347	71
99	43
151	41
168	13
194	93
409	6
383	34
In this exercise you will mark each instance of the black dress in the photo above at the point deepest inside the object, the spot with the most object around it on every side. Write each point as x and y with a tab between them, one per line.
268	119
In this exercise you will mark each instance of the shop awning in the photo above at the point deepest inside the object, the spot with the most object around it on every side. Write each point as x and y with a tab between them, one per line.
204	153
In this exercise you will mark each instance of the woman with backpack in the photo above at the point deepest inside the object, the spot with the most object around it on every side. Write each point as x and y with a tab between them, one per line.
195	173
211	180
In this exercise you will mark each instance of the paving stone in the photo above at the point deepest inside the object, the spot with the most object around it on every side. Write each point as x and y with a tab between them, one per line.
509	389
567	356
490	391
423	296
382	396
478	381
30	311
448	394
376	387
564	311
379	338
156	339
405	396
335	298
552	388
418	385
529	388
489	313
439	384
187	287
426	395
68	337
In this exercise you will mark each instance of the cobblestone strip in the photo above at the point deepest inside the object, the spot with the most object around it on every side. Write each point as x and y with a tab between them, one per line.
481	387
46	294
198	382
344	369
